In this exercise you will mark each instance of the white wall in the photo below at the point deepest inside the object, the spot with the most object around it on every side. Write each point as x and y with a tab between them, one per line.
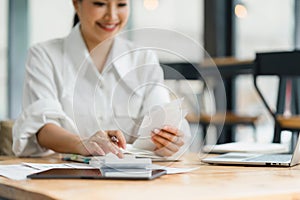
184	17
268	26
49	19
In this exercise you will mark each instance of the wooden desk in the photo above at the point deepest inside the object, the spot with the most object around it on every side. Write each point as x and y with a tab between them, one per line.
209	182
227	66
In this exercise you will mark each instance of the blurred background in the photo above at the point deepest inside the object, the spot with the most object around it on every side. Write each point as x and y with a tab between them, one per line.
225	28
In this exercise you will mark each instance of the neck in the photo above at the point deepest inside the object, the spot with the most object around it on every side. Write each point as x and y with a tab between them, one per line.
98	50
100	54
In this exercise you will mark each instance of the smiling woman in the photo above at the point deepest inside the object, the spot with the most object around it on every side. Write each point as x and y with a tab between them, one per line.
51	119
101	19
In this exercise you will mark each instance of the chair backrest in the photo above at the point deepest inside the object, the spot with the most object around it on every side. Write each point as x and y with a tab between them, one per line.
278	63
282	64
179	71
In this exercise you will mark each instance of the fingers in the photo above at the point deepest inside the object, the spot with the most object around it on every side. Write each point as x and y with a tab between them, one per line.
178	140
163	143
115	150
170	134
94	149
172	130
100	143
161	150
108	146
168	140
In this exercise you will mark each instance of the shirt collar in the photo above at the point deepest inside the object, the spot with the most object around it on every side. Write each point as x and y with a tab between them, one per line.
122	60
120	57
75	48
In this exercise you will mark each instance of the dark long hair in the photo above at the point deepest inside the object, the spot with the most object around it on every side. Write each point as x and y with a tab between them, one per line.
75	20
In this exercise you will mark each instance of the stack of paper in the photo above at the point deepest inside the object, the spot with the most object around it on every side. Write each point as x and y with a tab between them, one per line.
112	166
130	166
128	162
171	114
115	172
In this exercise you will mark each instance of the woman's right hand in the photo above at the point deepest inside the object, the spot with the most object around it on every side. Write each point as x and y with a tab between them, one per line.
100	144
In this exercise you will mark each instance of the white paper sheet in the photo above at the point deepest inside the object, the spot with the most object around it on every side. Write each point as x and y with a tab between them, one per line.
174	170
16	172
128	162
46	166
62	165
170	114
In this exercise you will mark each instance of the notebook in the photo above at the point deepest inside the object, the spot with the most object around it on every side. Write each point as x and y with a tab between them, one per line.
284	160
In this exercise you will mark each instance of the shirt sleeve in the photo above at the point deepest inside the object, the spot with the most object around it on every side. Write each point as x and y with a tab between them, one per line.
40	104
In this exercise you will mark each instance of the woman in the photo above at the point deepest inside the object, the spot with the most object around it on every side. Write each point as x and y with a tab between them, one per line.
48	122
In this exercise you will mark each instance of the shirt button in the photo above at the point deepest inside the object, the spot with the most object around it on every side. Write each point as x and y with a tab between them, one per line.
100	85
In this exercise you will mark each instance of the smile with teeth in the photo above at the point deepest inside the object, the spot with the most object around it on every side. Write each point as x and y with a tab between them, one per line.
108	27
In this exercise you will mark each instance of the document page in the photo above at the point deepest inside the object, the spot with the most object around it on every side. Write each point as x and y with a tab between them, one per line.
171	114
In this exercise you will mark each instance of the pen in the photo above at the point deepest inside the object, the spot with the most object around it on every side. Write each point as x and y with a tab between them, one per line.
114	139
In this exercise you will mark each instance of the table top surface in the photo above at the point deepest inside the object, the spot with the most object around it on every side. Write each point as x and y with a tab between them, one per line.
208	182
226	61
226	66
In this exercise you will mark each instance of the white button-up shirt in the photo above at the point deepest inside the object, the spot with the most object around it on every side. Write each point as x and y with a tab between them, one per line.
64	87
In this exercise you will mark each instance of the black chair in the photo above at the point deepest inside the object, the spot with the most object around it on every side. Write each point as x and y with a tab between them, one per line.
286	66
188	71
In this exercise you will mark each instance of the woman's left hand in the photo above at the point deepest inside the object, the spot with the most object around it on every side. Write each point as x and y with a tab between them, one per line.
168	140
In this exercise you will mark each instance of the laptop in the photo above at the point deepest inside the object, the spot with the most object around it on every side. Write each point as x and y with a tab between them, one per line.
284	160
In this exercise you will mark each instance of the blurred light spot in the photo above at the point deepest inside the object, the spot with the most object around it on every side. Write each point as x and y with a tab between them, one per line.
151	4
240	11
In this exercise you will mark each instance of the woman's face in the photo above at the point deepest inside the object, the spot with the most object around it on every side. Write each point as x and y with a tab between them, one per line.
101	19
